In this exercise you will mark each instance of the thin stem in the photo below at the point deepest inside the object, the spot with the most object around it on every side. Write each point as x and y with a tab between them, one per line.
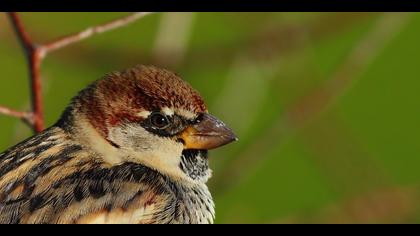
34	60
89	32
20	31
37	103
26	116
35	54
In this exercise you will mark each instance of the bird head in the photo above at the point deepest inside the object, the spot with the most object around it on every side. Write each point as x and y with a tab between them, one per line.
148	116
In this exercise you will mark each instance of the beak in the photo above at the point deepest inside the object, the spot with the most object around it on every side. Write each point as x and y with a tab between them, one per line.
207	134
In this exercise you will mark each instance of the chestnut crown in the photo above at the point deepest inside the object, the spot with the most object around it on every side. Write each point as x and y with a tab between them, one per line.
120	96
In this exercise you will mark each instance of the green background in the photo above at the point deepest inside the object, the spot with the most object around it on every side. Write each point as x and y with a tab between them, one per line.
326	105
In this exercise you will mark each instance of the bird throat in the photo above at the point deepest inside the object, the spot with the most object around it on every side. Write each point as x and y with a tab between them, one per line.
194	163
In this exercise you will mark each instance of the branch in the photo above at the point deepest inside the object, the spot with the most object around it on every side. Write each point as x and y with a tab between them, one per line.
26	116
34	60
20	31
89	32
36	53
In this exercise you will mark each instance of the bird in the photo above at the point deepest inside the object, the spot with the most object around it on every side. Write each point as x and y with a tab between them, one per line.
130	148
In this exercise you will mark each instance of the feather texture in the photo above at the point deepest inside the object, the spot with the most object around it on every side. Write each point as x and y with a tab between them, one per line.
106	160
51	178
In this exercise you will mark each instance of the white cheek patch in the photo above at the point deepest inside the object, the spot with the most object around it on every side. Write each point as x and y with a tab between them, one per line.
140	146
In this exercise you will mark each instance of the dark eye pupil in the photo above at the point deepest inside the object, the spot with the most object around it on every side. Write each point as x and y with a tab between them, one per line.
159	120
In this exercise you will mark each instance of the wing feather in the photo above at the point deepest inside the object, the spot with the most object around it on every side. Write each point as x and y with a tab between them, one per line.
51	179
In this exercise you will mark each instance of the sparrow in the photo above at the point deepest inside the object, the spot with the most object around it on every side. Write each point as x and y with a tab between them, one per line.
130	148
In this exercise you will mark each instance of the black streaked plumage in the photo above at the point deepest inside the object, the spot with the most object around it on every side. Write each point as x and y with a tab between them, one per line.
106	161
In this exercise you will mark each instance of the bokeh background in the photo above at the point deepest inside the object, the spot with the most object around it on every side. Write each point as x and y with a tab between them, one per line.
326	105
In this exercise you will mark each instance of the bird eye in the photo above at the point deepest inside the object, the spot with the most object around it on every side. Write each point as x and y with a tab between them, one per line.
198	119
159	121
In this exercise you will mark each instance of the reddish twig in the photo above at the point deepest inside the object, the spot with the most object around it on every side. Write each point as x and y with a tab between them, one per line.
73	38
25	116
35	54
33	59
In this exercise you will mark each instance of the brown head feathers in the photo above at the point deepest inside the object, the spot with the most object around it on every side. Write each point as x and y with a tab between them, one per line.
119	96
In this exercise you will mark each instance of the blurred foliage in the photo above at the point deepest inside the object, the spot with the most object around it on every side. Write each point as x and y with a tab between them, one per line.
326	105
